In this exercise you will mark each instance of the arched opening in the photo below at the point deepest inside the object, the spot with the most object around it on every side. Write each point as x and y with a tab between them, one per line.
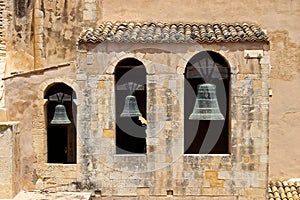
204	134
130	80
61	138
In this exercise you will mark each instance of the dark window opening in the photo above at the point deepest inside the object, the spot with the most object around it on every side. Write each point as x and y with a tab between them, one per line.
130	79
61	139
206	136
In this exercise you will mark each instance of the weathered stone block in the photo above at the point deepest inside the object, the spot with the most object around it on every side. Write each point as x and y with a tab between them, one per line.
143	191
89	15
108	133
211	175
225	175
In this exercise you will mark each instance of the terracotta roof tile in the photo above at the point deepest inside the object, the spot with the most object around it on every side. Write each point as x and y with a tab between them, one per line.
172	33
284	190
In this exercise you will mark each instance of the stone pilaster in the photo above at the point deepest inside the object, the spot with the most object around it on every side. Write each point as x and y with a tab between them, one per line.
9	156
38	36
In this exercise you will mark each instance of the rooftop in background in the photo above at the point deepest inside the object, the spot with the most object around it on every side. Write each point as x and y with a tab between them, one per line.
173	33
284	190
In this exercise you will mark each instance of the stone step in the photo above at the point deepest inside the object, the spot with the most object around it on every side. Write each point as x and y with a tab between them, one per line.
38	195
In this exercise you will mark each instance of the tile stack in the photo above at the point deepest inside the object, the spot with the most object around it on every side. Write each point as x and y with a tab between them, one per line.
173	33
284	190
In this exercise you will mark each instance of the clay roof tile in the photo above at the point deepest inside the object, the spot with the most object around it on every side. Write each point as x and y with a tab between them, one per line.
172	33
280	190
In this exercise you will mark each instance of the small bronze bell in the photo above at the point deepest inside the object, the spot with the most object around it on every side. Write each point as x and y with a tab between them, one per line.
206	105
131	108
60	116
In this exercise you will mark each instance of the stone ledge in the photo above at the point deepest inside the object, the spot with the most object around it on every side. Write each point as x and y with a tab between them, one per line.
36	71
38	195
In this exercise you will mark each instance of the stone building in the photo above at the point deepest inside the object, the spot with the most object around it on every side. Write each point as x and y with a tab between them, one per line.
92	56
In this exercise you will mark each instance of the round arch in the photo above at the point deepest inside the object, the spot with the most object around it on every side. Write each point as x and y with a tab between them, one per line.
61	138
147	63
183	62
206	134
130	83
44	87
59	86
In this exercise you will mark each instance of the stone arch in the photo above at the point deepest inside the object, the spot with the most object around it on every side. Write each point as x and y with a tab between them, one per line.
187	57
69	90
61	134
203	123
130	86
150	69
43	106
50	82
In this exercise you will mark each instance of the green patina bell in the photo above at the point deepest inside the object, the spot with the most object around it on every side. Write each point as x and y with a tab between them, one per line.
206	105
131	108
60	116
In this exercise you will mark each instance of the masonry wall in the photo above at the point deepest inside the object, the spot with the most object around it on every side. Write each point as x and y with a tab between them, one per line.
44	33
164	167
242	174
280	19
9	156
29	110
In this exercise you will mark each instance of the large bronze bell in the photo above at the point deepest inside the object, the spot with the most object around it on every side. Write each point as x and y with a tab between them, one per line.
206	105
131	108
60	116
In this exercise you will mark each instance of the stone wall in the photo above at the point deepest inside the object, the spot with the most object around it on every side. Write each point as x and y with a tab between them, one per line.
3	25
9	156
29	109
44	33
60	23
164	167
243	174
284	105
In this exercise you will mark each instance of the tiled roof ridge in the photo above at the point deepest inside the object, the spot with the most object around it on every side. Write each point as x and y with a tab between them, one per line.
289	190
178	22
159	32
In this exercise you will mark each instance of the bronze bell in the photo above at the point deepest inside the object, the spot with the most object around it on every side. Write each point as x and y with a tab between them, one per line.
206	105
131	108
60	115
